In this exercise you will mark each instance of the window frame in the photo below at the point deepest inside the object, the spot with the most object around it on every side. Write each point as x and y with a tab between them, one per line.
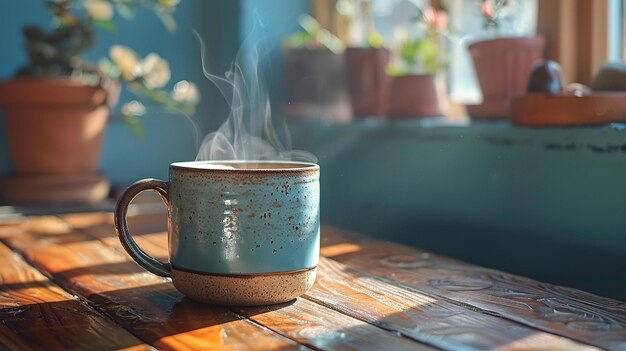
577	35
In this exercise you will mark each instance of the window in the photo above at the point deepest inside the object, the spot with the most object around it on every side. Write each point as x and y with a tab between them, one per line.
465	23
616	28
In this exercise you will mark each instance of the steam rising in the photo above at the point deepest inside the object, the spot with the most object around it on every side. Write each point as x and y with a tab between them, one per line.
248	133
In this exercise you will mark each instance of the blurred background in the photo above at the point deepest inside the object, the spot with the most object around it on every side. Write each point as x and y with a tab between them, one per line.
394	99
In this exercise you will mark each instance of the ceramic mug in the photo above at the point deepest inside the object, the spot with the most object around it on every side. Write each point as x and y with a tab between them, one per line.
240	233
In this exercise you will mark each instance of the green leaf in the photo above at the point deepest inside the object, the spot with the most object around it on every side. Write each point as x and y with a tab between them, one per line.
429	51
375	40
106	25
309	24
330	41
396	71
409	51
109	68
135	125
160	96
124	9
334	44
298	40
168	20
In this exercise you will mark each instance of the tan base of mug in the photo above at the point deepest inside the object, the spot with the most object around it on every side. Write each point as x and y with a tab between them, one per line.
244	290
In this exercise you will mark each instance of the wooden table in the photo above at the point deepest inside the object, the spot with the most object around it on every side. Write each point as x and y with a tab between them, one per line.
68	285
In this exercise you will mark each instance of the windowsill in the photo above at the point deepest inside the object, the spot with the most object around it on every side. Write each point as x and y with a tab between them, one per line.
451	121
485	192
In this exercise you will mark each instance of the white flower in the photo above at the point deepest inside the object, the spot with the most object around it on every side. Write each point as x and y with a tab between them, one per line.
185	91
100	10
154	70
133	108
125	59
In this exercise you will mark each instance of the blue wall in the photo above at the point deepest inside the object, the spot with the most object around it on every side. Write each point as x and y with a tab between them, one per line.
267	22
168	137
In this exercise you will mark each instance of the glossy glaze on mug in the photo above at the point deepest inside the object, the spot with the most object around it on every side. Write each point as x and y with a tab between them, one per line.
235	221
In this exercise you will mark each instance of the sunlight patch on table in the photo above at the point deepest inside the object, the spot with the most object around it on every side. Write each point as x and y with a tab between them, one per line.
339	249
545	341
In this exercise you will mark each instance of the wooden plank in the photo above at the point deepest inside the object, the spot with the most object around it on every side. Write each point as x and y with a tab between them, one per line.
37	314
143	303
111	282
563	311
322	328
11	341
424	318
365	297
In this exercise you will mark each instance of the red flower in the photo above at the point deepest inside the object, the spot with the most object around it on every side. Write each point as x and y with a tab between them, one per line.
488	9
436	19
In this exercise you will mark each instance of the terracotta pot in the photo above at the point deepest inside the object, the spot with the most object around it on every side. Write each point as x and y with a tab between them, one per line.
416	96
368	83
55	127
503	66
313	75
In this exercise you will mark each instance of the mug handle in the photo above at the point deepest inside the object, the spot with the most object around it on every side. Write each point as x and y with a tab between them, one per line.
143	259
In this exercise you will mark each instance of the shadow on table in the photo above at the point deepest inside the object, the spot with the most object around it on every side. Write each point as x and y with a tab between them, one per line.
59	325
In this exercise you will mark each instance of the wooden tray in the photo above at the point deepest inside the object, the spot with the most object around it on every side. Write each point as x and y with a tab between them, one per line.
568	110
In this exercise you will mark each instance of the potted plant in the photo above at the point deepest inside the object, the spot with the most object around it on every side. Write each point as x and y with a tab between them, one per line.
313	70
57	105
417	88
365	62
502	63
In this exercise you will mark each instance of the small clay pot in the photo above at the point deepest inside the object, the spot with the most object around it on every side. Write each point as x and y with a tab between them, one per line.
420	95
368	83
55	128
502	67
313	75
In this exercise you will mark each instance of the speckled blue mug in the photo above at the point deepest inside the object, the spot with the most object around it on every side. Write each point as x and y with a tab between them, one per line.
240	233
